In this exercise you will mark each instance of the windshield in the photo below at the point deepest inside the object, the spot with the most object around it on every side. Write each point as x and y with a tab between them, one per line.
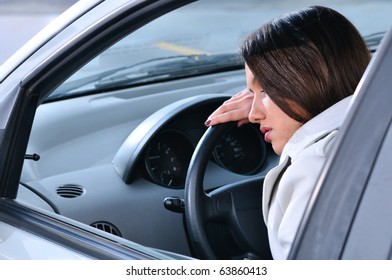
202	38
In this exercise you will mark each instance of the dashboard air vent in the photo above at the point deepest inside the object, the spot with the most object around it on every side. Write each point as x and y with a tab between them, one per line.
108	227
70	190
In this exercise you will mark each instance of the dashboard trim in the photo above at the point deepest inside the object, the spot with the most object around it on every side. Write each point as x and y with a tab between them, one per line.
126	158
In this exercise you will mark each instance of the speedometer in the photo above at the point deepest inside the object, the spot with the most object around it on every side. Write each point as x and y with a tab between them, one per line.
167	159
241	150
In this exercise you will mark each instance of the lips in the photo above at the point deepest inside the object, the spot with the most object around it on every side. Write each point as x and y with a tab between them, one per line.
266	131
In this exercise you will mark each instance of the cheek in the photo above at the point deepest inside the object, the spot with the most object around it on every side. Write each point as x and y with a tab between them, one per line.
291	128
287	129
282	138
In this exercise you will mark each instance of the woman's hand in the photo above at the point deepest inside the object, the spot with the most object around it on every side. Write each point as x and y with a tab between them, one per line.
236	108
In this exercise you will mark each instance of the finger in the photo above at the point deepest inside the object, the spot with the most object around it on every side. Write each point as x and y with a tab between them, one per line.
239	102
232	115
242	122
226	106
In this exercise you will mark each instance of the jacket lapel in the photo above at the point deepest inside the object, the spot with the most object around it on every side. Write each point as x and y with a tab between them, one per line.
269	185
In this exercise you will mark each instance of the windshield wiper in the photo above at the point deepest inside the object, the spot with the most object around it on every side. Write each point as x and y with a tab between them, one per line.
170	68
157	69
373	40
72	87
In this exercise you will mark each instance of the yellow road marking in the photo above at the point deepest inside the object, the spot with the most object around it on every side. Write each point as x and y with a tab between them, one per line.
178	49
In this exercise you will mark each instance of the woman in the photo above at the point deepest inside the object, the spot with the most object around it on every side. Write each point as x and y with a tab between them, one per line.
301	70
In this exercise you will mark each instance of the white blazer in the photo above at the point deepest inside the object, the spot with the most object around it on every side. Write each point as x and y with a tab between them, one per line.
289	186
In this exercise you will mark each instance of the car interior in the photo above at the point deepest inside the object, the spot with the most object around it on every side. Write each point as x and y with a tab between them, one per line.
117	156
111	162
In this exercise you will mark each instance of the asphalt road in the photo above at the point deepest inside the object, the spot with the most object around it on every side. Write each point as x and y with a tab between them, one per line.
22	19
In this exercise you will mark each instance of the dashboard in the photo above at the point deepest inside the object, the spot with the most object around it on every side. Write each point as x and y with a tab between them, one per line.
162	153
120	159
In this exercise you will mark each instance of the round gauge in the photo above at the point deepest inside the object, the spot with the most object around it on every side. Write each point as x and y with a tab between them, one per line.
167	159
241	150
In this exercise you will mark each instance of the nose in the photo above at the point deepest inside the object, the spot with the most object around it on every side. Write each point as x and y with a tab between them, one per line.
256	113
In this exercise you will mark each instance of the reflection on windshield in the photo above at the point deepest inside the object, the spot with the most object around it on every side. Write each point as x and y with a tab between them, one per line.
162	68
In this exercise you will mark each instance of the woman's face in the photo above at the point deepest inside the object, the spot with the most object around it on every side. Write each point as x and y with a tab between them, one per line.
276	126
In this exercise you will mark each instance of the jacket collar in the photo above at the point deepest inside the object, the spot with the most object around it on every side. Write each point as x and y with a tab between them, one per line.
313	130
316	128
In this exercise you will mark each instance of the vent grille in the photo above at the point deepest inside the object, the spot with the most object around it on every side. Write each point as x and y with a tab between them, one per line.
70	190
108	227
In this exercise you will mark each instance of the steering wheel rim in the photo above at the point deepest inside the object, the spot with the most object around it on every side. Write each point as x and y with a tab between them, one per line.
199	206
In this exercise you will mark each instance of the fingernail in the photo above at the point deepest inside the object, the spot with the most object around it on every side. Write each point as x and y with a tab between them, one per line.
207	123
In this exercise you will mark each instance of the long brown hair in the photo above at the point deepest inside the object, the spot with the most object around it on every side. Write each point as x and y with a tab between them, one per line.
312	58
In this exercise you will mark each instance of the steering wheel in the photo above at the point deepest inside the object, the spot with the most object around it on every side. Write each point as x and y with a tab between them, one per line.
226	223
